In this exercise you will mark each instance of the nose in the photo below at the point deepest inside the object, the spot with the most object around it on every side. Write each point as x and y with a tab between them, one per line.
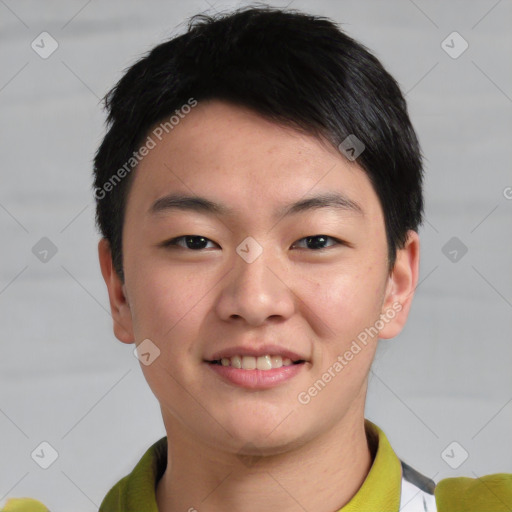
255	292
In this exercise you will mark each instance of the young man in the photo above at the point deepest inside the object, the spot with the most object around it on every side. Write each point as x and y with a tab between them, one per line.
259	193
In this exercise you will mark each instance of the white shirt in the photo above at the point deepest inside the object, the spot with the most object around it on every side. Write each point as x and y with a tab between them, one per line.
417	493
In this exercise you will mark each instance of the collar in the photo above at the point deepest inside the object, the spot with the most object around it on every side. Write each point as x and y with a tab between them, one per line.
380	491
381	488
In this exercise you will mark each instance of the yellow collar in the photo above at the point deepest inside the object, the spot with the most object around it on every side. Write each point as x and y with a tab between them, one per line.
380	491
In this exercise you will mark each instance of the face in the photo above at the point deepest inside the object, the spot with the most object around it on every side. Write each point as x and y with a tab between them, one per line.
237	277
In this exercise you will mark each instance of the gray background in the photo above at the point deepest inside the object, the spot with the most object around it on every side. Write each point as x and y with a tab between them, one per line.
66	380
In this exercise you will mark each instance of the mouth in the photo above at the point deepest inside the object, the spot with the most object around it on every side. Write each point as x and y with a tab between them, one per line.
264	363
256	368
257	371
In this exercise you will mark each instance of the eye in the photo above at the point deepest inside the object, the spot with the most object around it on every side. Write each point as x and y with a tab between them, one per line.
316	242
193	242
198	242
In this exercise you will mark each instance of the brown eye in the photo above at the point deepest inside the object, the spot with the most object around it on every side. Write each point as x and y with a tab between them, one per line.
316	242
192	242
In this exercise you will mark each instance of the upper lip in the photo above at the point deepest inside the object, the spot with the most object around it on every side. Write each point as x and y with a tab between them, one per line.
241	350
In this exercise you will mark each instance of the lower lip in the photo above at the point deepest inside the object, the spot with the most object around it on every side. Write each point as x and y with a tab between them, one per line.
257	379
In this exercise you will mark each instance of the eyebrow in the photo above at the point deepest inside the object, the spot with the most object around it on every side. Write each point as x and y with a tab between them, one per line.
332	200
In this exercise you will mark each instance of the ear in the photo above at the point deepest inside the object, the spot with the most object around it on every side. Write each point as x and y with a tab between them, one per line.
400	289
119	307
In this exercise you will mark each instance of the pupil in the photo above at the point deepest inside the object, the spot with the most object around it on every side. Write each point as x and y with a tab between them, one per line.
316	245
192	242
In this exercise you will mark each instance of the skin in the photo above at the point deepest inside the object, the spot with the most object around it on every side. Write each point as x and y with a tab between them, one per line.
192	303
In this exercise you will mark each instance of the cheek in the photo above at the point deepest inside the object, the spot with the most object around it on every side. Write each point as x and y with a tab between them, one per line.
344	301
166	303
169	310
344	307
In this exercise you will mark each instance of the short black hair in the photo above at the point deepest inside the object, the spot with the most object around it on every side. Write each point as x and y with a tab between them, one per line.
290	67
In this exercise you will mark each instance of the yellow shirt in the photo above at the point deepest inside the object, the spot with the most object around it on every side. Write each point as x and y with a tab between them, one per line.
383	490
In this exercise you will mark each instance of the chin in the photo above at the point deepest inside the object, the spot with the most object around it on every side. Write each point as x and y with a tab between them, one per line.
253	435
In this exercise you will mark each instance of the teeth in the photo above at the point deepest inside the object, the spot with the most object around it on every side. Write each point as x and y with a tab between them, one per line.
266	362
277	361
249	362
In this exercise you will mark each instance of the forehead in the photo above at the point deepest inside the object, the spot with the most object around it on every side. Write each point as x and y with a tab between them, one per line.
235	157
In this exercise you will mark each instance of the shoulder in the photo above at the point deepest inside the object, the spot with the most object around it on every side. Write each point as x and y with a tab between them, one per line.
23	505
136	491
489	493
114	500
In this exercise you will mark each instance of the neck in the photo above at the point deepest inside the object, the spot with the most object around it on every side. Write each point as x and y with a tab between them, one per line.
332	467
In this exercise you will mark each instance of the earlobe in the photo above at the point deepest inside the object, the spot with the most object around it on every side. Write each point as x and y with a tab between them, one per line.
401	286
119	306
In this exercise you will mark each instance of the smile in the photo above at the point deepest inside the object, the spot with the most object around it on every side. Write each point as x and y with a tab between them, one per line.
265	363
256	372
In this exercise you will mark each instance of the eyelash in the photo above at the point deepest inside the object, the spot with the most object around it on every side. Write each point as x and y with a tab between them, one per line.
174	242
